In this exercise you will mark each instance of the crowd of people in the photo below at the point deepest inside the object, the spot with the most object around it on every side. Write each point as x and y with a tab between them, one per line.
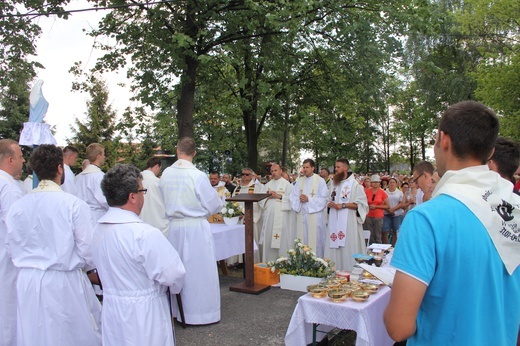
141	240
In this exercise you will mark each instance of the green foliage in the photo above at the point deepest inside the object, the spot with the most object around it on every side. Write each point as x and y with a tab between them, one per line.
14	109
99	126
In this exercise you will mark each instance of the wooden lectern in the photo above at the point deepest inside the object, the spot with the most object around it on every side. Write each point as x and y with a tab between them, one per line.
249	286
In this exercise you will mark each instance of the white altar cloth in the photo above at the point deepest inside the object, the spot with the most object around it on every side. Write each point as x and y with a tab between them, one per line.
365	318
229	240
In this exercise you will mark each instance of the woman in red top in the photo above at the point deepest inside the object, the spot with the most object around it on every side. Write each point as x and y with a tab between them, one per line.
377	203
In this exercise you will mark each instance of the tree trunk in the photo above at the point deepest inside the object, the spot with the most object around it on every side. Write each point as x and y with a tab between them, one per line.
285	144
186	103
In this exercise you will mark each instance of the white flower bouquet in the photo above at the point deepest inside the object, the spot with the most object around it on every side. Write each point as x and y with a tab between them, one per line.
231	209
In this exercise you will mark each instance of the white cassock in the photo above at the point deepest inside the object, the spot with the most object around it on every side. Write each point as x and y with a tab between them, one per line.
88	184
28	184
310	216
10	192
188	200
135	264
153	208
345	236
49	237
277	234
69	185
252	187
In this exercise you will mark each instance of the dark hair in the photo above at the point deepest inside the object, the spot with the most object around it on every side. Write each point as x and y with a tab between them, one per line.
119	182
186	146
310	162
473	130
70	148
344	161
325	169
214	172
422	167
506	157
45	161
153	161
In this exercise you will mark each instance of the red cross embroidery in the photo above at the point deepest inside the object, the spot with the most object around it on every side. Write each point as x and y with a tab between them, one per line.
333	236
341	235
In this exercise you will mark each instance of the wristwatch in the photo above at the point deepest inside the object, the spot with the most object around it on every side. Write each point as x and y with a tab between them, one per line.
344	205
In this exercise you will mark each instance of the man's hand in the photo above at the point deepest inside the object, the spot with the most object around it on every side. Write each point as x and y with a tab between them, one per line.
304	198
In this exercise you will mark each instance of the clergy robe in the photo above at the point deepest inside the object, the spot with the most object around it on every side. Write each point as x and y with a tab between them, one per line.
135	263
10	192
253	187
310	218
69	185
277	234
49	233
345	236
188	201
88	185
153	208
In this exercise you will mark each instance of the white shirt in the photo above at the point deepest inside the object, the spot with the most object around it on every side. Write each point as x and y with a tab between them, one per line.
153	208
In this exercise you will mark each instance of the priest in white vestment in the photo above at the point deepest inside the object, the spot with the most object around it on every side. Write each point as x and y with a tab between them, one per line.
277	234
136	264
88	182
153	209
219	186
49	237
188	200
70	156
309	199
348	209
249	184
11	164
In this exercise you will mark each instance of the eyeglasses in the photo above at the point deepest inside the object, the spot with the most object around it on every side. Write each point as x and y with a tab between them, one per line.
414	180
246	174
143	191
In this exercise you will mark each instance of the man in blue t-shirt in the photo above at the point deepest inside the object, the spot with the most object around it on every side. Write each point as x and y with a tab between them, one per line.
457	257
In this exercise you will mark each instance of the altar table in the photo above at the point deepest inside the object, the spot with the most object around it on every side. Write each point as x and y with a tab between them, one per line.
228	240
365	318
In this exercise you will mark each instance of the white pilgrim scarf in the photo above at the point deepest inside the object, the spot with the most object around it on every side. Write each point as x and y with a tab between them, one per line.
311	218
338	225
493	202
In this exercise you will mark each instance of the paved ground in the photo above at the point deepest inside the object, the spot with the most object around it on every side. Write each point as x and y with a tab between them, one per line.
246	319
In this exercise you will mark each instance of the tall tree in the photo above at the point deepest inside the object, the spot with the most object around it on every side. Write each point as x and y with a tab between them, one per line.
99	125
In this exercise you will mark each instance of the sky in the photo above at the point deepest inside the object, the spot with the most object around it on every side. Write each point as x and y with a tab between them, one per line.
61	44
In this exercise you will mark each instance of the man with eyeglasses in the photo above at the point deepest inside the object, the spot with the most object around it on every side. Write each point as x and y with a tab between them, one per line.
457	257
189	199
249	184
153	210
136	264
422	177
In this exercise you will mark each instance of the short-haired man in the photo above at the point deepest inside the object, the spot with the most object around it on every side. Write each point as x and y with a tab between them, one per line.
249	184
457	257
277	233
153	210
88	182
49	237
136	264
348	209
188	200
70	156
11	164
218	185
422	176
228	183
309	200
505	159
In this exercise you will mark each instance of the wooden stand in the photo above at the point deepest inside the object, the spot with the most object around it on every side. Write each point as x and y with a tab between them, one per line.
249	286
